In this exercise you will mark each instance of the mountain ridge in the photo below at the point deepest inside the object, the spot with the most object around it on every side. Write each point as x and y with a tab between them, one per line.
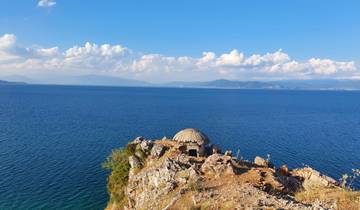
99	80
4	82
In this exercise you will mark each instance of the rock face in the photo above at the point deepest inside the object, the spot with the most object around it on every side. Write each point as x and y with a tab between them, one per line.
146	146
134	162
157	150
218	164
170	179
152	183
313	179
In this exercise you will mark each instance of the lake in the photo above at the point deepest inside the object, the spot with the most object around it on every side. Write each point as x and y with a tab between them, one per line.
53	139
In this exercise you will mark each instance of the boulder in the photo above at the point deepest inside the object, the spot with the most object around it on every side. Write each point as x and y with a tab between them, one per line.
313	179
261	161
218	164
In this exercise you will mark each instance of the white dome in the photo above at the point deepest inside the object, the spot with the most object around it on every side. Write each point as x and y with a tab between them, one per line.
191	135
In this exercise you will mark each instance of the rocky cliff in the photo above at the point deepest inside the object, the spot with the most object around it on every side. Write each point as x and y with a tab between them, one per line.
158	175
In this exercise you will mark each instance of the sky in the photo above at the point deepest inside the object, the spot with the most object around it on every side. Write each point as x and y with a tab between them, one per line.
189	40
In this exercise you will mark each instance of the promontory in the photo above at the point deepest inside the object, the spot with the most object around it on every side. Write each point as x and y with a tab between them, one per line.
188	172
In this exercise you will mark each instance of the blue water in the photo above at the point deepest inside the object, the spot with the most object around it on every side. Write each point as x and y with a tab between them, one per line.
53	139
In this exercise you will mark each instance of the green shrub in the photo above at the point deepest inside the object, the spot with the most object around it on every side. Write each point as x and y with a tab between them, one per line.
118	163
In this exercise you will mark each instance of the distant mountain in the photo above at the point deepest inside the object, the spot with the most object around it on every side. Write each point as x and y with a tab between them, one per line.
18	78
78	80
220	83
284	84
3	82
320	84
102	81
227	84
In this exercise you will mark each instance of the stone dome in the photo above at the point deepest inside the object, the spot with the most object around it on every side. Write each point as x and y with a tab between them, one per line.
191	135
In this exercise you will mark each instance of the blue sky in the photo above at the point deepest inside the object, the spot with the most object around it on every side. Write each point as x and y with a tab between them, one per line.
163	33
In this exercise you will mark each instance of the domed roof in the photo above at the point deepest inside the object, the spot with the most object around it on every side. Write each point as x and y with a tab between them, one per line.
191	135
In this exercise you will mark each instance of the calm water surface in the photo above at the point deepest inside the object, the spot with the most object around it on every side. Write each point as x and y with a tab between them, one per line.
53	139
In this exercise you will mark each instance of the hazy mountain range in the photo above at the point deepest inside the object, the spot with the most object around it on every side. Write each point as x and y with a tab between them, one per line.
3	82
226	84
95	80
221	83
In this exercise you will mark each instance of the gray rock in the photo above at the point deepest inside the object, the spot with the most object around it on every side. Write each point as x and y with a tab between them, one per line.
135	162
138	140
217	164
157	150
261	161
194	174
146	146
313	178
150	184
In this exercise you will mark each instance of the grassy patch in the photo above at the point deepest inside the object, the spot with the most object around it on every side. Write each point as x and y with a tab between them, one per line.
196	186
346	199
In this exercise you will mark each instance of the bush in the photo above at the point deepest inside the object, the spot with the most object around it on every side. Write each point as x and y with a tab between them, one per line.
118	163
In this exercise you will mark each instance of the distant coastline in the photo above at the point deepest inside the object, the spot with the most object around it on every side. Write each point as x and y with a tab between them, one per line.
96	80
3	82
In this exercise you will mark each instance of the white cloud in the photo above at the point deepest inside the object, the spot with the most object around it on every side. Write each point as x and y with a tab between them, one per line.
46	3
7	45
50	52
234	58
7	41
208	58
328	67
117	60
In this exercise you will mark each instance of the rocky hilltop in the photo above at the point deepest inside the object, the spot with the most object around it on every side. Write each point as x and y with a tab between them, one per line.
187	172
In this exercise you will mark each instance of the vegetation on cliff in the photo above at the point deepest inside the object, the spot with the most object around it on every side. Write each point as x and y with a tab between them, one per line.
118	163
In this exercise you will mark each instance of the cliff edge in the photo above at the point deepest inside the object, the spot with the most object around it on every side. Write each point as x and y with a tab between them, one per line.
163	174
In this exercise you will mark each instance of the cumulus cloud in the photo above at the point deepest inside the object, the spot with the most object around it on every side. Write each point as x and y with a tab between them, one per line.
234	58
50	52
46	3
117	60
328	67
7	41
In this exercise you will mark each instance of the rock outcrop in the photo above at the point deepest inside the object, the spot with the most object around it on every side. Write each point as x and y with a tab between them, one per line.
218	165
169	179
313	179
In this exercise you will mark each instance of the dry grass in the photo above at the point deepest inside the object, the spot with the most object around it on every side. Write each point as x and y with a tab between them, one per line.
346	200
185	202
